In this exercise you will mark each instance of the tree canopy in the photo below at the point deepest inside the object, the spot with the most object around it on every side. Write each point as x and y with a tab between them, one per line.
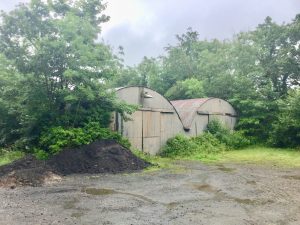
253	70
54	70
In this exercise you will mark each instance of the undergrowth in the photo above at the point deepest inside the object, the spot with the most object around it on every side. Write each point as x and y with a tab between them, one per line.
207	146
53	140
9	156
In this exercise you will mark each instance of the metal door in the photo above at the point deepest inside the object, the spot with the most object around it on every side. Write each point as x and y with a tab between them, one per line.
151	132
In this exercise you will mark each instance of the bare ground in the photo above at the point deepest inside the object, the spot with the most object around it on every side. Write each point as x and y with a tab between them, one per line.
195	193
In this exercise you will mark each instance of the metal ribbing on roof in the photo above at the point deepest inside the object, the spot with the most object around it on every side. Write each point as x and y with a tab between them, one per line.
187	109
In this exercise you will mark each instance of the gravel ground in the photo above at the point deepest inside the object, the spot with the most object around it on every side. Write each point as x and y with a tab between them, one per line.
194	193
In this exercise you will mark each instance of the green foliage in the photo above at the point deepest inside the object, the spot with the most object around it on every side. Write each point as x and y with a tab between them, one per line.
56	138
203	146
252	70
11	98
208	144
238	140
215	140
178	146
40	154
259	155
286	129
53	71
189	88
8	156
232	139
216	128
145	74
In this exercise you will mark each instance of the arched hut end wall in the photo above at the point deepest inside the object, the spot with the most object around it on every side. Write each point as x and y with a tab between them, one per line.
152	124
196	113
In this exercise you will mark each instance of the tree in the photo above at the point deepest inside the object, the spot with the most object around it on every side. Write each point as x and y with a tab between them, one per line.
128	76
278	53
286	128
64	69
253	71
189	88
179	62
11	101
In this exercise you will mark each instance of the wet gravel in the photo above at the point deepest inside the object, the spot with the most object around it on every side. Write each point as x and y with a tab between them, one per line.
193	193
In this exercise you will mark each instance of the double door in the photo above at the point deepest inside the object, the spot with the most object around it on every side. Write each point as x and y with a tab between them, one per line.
143	130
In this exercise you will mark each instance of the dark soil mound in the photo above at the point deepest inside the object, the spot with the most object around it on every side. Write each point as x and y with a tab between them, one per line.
26	171
105	156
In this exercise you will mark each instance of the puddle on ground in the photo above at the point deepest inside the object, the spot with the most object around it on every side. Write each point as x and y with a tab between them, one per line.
98	191
246	201
205	188
251	182
172	205
181	203
138	196
293	177
225	169
77	214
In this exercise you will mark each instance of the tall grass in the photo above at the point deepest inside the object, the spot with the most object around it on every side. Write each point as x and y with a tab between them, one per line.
9	156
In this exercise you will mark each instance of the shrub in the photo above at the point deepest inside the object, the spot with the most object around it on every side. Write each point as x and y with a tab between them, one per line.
216	127
208	144
216	139
232	139
237	140
56	138
179	146
40	154
201	146
286	128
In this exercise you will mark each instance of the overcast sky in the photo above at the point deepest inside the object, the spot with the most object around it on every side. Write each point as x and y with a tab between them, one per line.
144	27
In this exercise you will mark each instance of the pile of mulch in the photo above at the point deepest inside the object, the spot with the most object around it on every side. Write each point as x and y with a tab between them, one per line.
105	156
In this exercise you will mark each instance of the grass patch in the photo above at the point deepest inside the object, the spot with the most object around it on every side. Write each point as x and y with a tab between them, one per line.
7	157
208	158
157	162
264	156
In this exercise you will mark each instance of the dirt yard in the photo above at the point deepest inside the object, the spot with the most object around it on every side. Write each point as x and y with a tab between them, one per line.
228	194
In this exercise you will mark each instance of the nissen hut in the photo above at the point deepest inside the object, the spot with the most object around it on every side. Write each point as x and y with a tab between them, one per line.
158	119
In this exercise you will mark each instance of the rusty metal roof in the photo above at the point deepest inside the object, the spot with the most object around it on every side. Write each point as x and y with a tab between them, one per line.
187	109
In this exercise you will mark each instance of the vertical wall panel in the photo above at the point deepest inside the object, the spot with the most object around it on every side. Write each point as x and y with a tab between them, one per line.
201	122
151	124
132	129
166	127
151	132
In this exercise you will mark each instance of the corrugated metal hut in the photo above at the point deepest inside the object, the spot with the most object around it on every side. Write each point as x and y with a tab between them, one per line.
158	119
195	114
153	124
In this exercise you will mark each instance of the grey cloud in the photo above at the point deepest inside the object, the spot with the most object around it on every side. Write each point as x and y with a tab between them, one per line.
136	47
8	5
212	19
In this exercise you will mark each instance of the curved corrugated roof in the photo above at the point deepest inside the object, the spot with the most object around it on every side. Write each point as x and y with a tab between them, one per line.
175	109
187	109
